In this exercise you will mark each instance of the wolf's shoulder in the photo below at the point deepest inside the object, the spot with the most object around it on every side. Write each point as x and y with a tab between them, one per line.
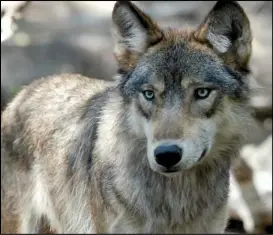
57	92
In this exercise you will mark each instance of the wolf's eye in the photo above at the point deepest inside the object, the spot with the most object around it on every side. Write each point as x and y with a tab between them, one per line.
148	94
202	93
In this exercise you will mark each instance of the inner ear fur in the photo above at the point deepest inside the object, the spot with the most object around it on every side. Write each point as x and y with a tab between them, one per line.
134	32
227	30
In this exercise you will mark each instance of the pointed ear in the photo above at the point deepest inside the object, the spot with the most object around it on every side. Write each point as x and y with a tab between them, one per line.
134	32
227	30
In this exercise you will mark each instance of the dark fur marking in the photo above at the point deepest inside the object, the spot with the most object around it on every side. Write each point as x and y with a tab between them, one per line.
241	89
80	154
132	81
103	180
125	76
142	111
214	107
230	82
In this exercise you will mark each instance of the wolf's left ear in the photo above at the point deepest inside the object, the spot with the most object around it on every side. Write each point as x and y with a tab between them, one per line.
227	29
134	32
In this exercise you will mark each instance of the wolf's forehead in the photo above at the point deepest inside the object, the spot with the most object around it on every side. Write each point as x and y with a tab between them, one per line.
181	60
177	62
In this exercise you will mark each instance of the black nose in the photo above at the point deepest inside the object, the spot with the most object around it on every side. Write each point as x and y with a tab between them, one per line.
168	155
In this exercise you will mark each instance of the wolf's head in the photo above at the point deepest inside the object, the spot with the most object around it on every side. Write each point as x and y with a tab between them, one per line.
186	89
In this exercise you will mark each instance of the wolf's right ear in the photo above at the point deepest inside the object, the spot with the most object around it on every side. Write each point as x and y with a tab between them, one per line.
134	32
227	29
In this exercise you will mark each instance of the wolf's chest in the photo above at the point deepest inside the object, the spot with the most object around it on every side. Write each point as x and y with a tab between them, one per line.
175	213
166	208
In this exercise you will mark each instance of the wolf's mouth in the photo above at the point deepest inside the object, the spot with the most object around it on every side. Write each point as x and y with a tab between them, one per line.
202	155
171	171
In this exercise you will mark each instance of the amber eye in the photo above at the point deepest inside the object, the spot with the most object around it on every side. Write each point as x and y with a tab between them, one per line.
148	94
202	93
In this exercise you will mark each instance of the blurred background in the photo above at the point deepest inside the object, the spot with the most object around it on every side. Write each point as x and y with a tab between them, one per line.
49	37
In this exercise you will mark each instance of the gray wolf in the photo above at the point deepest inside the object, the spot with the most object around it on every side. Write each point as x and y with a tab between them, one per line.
147	153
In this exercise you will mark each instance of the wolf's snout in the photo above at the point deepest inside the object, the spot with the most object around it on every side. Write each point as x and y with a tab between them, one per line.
168	155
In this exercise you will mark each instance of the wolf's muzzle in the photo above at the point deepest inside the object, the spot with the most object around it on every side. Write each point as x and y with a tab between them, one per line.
168	155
